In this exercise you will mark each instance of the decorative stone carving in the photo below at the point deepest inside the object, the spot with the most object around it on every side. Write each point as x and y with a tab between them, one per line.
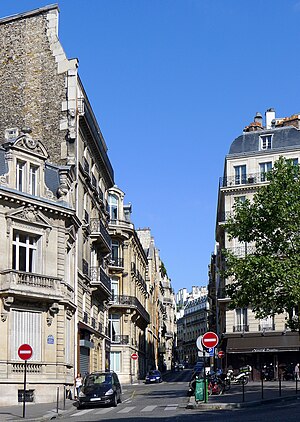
47	231
72	125
8	301
8	226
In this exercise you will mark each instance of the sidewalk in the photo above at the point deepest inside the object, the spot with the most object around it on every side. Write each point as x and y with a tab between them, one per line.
35	412
253	396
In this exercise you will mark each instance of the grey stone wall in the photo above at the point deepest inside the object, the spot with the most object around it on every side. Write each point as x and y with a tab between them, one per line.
31	89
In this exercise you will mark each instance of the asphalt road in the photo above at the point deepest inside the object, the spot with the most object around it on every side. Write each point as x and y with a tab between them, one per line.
167	402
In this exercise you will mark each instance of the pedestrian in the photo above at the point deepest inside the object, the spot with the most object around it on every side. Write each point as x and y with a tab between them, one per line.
296	372
78	384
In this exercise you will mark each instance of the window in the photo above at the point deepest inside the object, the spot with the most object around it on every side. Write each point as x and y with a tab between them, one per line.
114	327
240	174
115	361
27	178
239	199
263	169
115	288
294	161
33	177
27	329
115	252
241	319
24	252
68	341
20	174
113	207
266	142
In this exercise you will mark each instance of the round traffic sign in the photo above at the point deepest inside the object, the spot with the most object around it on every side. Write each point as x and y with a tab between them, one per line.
134	356
221	354
199	343
210	339
25	351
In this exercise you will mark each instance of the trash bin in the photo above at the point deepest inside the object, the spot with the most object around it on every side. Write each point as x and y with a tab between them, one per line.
200	389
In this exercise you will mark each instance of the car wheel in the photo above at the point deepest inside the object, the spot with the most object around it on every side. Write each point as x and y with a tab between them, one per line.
120	399
115	401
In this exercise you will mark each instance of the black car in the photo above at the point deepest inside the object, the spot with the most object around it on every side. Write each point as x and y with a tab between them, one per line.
100	388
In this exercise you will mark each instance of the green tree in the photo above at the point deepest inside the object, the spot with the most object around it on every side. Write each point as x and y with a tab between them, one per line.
267	278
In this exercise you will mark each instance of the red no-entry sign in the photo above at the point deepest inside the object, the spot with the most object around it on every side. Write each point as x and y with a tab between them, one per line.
25	352
134	356
210	339
221	354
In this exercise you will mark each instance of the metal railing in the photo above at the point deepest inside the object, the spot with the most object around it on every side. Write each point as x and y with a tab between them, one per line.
120	339
240	328
97	227
117	262
131	301
242	250
97	275
243	179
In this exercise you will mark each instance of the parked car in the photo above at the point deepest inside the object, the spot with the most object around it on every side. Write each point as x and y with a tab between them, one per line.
181	366
100	388
153	376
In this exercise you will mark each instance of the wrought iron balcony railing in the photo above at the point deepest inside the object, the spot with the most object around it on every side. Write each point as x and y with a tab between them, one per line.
98	229
243	250
120	339
130	301
240	328
98	276
266	327
242	179
117	262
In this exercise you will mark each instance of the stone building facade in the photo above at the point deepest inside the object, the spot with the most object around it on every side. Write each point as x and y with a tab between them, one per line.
41	92
128	315
247	340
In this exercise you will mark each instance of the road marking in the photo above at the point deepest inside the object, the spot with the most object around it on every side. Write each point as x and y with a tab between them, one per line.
83	412
148	408
104	410
171	407
126	409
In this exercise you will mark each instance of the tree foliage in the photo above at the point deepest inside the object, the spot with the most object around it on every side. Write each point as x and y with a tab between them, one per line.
268	278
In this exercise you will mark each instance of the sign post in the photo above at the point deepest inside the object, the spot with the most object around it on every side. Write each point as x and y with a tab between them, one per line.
25	353
210	341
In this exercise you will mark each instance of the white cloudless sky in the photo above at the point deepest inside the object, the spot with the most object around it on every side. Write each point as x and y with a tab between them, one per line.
172	83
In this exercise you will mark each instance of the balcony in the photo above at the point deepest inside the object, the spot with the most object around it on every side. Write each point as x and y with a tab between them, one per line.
100	234
242	251
117	263
98	277
120	339
266	327
122	301
13	282
240	328
243	179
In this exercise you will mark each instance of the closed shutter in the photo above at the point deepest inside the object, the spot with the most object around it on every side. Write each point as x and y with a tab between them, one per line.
68	341
26	329
84	360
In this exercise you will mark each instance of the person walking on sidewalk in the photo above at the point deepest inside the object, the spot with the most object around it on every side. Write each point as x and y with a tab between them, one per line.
296	371
78	384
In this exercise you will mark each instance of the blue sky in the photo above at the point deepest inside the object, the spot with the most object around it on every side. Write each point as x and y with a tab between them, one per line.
172	83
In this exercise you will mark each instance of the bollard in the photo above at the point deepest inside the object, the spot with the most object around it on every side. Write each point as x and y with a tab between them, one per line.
65	392
262	386
57	398
243	383
279	379
296	385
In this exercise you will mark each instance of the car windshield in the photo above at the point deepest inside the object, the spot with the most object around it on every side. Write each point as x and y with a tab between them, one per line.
97	379
154	373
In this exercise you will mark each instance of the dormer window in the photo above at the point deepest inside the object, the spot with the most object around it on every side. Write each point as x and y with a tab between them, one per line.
266	142
113	207
27	177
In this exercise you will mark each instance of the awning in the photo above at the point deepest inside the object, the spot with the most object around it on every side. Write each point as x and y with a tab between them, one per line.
269	343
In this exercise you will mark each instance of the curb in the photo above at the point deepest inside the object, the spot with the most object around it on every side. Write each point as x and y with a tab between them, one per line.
219	406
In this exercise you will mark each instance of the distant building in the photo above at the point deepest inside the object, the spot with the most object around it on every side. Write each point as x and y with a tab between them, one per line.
248	340
192	321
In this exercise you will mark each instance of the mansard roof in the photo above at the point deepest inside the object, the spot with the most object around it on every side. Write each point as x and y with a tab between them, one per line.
249	142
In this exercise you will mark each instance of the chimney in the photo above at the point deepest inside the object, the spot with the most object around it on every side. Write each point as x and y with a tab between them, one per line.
258	118
270	115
